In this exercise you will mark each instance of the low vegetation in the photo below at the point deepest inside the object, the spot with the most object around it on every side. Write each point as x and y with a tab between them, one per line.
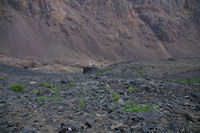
81	103
131	88
17	87
141	74
2	78
102	71
108	89
59	99
44	84
192	81
70	84
42	98
54	89
35	91
54	94
116	96
138	108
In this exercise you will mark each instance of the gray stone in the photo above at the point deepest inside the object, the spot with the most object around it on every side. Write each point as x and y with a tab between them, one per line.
32	83
149	116
121	101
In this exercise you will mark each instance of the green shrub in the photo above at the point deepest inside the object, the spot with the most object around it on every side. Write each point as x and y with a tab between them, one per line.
141	74
42	98
2	78
70	84
54	94
116	96
131	88
54	89
81	103
44	84
59	99
108	89
35	91
138	108
17	87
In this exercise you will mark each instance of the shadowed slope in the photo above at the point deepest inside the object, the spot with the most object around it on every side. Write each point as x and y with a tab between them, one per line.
109	30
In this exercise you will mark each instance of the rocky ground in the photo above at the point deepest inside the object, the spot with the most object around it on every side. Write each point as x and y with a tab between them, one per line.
126	97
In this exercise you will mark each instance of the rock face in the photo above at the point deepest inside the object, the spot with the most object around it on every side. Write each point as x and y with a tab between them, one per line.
77	30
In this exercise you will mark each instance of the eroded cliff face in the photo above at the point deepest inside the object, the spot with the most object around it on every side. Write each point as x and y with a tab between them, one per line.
113	30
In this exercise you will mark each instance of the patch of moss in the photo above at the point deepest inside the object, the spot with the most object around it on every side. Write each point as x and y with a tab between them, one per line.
17	87
44	84
116	96
138	108
131	88
2	78
102	71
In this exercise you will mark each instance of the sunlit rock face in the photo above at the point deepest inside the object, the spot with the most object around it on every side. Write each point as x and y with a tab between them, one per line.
107	30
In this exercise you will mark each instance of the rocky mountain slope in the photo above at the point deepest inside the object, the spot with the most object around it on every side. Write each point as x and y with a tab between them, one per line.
76	31
128	97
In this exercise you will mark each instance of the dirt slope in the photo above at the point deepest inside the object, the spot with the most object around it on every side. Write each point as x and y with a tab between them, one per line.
76	31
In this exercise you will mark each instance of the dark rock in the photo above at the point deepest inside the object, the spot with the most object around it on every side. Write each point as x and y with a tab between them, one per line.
28	131
198	131
195	95
188	117
62	81
89	69
88	124
173	126
171	59
64	130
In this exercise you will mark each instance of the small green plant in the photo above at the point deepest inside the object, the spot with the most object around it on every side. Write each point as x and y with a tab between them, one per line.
54	89
81	103
17	87
131	88
2	78
59	99
44	84
138	108
35	91
108	89
42	98
141	74
116	96
102	71
113	104
54	94
70	84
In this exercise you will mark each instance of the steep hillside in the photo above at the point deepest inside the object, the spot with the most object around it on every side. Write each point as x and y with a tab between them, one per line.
76	31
